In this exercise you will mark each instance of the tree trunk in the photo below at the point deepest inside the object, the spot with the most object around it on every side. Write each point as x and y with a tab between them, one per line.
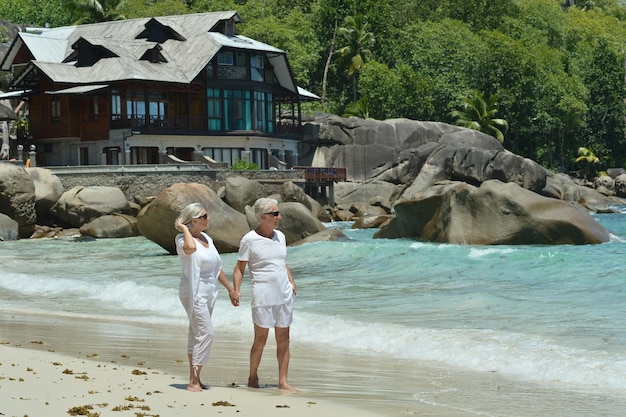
330	54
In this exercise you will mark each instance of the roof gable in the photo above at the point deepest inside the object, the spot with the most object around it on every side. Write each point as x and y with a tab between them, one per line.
156	31
165	48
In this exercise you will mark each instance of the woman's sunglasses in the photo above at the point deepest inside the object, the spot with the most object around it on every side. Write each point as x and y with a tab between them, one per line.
273	213
203	217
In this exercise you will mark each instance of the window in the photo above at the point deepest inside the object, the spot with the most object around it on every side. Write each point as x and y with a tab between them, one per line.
93	109
116	105
228	155
136	110
225	58
214	108
232	65
157	109
55	110
256	68
83	155
237	110
260	114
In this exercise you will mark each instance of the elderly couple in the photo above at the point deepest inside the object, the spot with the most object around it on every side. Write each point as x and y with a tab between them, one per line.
264	250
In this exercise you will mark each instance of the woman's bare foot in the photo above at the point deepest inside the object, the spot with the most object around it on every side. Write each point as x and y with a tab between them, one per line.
194	388
253	382
287	388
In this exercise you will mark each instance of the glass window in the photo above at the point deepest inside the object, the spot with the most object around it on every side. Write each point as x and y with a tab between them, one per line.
225	58
116	105
214	109
93	109
237	110
55	109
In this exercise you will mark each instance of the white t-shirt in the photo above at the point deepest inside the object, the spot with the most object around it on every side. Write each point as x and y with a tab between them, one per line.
268	268
199	270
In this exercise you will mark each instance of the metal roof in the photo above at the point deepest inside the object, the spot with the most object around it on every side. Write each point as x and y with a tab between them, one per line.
186	56
81	89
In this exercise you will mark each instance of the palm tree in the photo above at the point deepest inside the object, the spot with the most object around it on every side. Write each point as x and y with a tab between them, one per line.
478	114
356	50
587	155
94	11
359	109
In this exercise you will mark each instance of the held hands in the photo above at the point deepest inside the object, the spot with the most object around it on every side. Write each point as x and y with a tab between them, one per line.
235	296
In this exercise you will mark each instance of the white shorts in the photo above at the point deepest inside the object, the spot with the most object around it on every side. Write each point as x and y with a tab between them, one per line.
273	316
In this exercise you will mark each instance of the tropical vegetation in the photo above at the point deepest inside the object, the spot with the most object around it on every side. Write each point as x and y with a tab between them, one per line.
557	68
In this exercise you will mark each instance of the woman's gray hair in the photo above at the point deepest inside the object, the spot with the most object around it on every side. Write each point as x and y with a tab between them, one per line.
191	211
263	205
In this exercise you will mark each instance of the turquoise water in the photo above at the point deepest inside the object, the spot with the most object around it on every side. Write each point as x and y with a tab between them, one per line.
548	318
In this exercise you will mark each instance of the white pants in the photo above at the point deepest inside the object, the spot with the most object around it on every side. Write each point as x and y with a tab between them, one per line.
200	336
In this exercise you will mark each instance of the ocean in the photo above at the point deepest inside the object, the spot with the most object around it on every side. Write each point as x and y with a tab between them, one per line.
533	330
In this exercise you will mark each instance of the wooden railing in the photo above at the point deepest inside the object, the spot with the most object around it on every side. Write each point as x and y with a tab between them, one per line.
324	174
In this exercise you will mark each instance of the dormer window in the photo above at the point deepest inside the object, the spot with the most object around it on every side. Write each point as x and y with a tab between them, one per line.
156	31
86	54
153	55
226	27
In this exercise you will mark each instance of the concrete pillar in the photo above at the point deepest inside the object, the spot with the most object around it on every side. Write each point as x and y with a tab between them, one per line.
162	155
32	156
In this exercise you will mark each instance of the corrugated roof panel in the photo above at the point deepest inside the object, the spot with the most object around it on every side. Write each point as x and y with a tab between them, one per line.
81	89
45	49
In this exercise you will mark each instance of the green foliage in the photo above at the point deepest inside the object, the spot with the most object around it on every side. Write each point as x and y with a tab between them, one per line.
4	34
36	12
292	33
558	72
478	114
94	11
132	9
243	165
589	157
358	109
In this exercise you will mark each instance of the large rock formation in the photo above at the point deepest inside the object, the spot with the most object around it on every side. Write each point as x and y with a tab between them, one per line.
156	221
9	228
111	226
435	174
48	190
81	205
17	197
494	213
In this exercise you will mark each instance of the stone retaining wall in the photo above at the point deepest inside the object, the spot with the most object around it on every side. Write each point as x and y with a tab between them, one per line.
140	186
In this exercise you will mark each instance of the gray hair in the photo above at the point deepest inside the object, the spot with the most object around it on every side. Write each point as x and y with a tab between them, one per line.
263	205
191	211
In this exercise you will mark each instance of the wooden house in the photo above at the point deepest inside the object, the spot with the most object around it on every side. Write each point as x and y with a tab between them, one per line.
153	90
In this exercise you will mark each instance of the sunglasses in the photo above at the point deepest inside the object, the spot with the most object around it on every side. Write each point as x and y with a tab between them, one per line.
273	213
203	217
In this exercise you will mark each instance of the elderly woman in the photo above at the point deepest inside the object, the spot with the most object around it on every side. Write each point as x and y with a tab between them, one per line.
264	250
201	269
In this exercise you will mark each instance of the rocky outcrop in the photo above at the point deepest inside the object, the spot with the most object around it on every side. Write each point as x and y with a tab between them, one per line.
17	197
494	213
48	190
81	205
9	229
111	226
240	192
428	167
156	221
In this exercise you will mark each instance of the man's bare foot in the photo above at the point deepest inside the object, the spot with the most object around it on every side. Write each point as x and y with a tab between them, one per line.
194	388
287	388
253	382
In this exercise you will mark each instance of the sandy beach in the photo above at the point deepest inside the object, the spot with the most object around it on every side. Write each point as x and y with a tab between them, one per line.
55	366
